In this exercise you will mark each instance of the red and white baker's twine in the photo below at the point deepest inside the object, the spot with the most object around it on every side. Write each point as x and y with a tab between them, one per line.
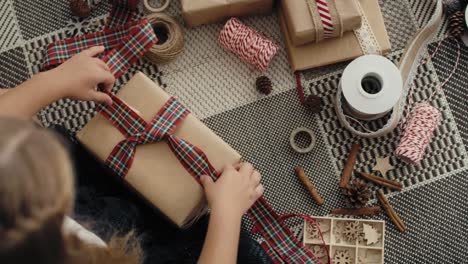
419	132
423	120
325	17
248	44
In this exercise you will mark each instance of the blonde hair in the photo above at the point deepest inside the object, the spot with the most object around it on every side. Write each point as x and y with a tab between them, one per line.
36	192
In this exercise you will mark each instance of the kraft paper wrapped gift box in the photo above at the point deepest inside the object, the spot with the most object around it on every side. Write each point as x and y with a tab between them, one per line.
337	49
200	12
156	173
303	19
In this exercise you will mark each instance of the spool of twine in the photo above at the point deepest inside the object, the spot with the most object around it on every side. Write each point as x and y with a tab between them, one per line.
247	44
170	39
419	125
418	133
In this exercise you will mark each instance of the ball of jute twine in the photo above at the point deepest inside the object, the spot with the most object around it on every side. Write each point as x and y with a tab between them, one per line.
170	39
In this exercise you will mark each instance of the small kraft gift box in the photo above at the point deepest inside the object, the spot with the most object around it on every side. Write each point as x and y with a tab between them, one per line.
154	166
201	12
311	21
370	38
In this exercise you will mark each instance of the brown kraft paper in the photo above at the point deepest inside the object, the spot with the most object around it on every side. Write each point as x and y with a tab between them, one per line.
200	12
302	26
336	50
156	173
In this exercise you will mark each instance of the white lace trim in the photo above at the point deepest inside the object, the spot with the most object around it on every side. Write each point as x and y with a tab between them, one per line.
365	35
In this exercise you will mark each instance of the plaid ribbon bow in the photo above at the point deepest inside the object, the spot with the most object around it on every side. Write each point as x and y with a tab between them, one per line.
126	40
137	131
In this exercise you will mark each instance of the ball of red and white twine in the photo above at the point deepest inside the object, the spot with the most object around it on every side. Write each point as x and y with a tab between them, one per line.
419	131
248	44
423	120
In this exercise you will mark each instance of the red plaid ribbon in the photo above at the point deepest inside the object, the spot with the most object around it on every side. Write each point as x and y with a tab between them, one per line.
280	243
125	42
137	131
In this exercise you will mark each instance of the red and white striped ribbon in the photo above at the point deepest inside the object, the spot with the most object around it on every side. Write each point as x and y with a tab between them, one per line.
326	18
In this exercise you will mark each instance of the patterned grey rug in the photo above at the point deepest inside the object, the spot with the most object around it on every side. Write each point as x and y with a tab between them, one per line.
219	89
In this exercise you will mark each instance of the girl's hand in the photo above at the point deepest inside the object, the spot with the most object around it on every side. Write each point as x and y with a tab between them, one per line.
79	77
236	190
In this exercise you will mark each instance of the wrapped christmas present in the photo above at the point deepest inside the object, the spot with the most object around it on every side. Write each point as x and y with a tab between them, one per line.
315	20
200	12
370	38
149	139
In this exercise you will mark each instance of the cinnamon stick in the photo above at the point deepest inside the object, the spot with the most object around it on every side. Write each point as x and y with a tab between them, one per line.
394	217
348	168
394	185
359	211
309	185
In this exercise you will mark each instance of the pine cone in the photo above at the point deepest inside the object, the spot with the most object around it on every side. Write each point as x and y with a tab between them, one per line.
313	103
357	192
456	24
80	8
263	84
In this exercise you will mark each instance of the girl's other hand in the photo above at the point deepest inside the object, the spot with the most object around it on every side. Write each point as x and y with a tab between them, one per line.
79	77
235	191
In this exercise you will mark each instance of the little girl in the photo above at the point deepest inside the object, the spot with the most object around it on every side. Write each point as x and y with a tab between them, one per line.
37	187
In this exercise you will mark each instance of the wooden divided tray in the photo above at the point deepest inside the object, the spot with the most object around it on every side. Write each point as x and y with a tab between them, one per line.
349	241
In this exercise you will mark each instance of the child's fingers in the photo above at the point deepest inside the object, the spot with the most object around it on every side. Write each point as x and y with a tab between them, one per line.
102	64
256	178
246	169
94	51
107	80
258	192
228	168
206	181
238	165
101	97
